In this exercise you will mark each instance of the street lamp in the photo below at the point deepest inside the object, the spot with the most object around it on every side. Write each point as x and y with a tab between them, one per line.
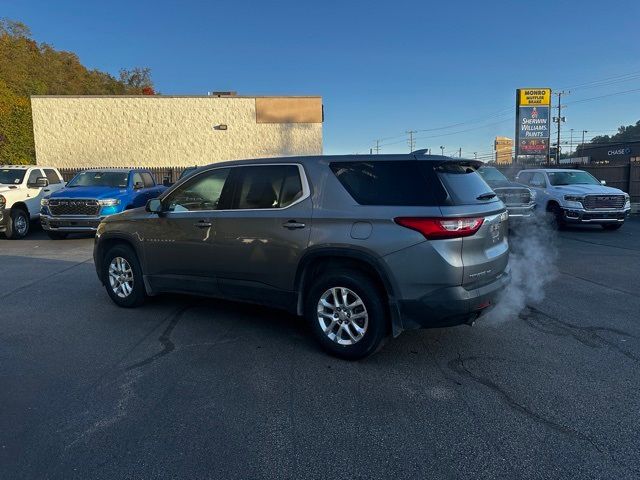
571	142
582	144
442	149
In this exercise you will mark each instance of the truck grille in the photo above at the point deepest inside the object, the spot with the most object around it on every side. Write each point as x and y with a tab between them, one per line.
74	207
593	202
514	196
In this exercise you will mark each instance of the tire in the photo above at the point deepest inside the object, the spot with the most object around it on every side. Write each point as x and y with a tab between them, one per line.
558	219
18	225
348	342
56	235
119	260
612	226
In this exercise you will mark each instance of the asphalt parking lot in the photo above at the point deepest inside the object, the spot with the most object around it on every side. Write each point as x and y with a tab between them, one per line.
199	388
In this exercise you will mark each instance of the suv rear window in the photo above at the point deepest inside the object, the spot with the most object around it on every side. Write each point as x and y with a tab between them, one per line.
406	183
463	184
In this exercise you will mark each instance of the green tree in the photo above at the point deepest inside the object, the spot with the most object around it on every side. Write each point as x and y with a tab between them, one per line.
31	68
625	134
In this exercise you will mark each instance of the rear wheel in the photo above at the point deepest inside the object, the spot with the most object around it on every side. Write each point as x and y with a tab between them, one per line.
612	226
18	225
346	314
122	277
56	235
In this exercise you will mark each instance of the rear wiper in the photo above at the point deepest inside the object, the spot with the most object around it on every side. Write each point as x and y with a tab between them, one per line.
486	196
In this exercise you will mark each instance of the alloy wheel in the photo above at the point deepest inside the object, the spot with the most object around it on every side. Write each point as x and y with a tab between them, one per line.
342	316
21	225
121	277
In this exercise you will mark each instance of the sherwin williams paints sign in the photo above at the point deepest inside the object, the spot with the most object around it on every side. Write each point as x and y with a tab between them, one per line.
533	125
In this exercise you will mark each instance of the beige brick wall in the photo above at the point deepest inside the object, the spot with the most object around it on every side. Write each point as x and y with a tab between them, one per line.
161	131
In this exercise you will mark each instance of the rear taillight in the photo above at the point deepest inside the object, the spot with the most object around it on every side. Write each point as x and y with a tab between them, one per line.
438	228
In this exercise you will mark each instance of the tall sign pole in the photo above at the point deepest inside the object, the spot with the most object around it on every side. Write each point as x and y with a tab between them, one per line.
533	131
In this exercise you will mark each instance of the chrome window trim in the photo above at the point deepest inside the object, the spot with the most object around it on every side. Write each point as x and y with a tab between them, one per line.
306	190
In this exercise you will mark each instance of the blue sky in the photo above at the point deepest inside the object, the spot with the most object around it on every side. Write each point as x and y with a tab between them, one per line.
382	68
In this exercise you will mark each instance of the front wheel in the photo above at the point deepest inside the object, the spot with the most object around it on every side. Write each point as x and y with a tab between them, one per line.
612	226
346	314
122	277
558	217
18	225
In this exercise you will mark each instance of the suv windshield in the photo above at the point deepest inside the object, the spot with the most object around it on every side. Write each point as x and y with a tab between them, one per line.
11	176
572	178
492	175
100	179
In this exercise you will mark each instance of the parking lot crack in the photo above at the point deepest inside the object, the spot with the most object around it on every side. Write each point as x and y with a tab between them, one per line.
608	287
591	336
42	279
459	365
165	340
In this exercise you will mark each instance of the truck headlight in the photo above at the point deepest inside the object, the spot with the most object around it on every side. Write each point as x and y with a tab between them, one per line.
627	201
532	195
3	201
44	202
109	202
573	201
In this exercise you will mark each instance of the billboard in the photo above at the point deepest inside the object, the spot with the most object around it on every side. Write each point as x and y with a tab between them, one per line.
533	125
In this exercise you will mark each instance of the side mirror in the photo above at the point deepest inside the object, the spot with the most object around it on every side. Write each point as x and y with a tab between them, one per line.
166	182
138	186
603	182
40	182
154	206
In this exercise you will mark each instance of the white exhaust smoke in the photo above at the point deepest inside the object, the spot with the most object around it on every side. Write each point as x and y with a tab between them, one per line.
532	259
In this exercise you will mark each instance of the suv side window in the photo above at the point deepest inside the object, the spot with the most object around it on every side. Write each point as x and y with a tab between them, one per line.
148	180
33	176
407	183
538	180
52	176
207	191
268	186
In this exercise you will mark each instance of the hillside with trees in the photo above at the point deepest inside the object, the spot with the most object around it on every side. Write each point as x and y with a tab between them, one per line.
629	133
31	68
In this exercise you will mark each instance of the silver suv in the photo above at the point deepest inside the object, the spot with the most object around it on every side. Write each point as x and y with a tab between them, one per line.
362	246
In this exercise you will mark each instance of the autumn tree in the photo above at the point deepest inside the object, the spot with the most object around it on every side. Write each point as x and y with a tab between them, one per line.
31	68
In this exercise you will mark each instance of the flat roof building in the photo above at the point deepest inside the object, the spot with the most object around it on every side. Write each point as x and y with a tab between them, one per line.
503	147
172	131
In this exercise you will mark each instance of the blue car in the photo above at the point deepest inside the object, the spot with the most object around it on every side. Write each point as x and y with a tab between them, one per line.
93	195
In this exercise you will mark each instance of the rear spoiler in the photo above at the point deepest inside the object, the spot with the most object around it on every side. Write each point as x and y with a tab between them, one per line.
442	159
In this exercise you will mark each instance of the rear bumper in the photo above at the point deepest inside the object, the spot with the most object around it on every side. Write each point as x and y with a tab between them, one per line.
452	305
70	223
579	215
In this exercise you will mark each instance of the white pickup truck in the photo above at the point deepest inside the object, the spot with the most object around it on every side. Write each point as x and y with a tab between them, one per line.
22	187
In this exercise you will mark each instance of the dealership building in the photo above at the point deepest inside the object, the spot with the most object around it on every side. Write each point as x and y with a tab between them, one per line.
610	153
172	131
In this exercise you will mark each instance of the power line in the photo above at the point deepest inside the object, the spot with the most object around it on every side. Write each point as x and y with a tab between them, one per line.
508	110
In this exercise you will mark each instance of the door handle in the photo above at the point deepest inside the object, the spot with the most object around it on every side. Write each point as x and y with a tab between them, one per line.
202	224
47	190
292	225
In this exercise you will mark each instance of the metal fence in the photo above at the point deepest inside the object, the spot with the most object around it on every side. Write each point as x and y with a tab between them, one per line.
626	177
171	174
